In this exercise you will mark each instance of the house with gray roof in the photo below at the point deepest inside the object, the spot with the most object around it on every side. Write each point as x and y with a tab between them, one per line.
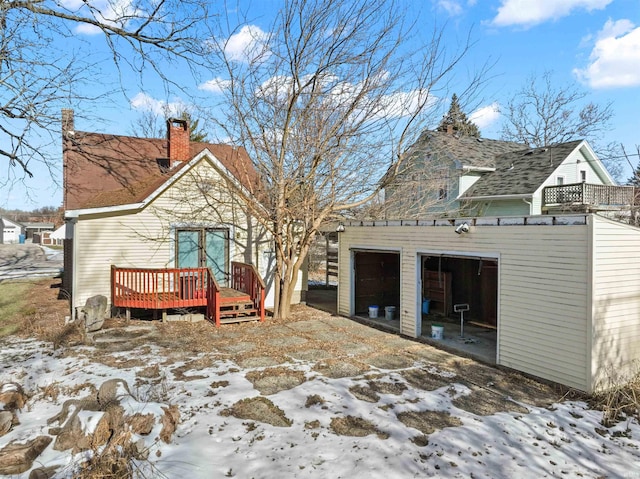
447	174
516	185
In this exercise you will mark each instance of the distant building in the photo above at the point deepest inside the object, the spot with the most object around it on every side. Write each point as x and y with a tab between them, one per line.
10	231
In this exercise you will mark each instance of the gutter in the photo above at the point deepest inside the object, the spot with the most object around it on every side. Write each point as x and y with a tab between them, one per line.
498	197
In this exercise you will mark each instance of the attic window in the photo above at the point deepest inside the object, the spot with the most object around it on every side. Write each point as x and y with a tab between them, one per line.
164	164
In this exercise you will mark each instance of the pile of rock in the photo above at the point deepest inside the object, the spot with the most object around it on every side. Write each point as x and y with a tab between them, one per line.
108	418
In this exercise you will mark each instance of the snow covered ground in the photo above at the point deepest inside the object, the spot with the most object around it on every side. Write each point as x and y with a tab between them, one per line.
565	440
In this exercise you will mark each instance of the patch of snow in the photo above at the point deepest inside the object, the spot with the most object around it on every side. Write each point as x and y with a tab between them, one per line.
561	441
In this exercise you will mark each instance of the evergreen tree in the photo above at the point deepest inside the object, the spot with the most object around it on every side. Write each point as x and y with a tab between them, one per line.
195	134
634	180
458	119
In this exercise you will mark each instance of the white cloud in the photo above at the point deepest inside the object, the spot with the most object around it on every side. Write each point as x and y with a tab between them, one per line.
615	58
116	13
532	12
144	102
452	7
216	85
486	116
341	93
246	45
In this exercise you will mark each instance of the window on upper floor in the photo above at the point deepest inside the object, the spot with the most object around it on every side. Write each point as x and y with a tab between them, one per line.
559	180
583	176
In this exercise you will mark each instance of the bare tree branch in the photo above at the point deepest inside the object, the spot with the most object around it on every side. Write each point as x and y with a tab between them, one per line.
542	114
326	103
38	77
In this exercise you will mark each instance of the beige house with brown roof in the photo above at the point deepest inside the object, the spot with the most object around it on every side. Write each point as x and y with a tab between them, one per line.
140	203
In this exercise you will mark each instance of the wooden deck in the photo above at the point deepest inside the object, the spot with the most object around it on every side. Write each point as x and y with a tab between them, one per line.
172	288
589	197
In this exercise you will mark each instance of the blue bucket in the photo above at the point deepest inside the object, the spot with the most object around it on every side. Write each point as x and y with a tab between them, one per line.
425	306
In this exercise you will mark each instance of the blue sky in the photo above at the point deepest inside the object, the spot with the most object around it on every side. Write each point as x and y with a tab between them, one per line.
595	43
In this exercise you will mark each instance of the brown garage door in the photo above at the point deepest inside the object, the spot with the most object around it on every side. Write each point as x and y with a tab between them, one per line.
377	280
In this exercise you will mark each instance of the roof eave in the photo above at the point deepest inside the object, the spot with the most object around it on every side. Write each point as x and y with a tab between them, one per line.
102	209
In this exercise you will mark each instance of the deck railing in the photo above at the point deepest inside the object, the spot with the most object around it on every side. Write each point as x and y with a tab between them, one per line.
245	278
586	194
169	288
154	288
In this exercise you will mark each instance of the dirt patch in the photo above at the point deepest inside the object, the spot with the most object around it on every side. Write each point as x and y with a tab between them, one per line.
272	380
371	392
486	403
340	368
193	365
428	422
149	372
117	362
258	409
391	361
511	384
249	362
355	426
311	355
314	400
425	380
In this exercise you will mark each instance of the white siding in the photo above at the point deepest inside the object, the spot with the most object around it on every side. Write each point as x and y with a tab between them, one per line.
543	288
506	207
10	232
146	238
616	302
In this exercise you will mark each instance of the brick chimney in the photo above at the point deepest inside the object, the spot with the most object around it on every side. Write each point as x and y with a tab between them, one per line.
67	122
178	138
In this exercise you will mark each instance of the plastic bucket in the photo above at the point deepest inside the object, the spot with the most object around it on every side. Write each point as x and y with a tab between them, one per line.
437	331
425	306
389	312
373	311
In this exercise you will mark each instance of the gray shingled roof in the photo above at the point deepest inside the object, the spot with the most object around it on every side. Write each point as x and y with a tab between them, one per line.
470	151
521	172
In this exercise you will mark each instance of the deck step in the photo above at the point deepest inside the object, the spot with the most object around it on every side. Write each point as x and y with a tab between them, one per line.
239	319
235	313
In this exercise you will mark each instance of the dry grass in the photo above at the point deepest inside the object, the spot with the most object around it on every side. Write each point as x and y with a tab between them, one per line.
13	305
618	402
36	308
119	460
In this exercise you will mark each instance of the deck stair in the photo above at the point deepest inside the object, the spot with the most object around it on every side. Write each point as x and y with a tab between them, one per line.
236	306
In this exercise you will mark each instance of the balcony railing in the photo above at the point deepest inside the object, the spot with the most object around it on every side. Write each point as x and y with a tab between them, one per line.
590	196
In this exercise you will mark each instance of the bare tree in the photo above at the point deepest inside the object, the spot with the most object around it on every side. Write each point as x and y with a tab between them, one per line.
150	124
325	104
542	114
43	62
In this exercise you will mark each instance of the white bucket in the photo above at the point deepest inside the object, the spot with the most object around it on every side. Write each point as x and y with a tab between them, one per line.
437	331
389	312
373	312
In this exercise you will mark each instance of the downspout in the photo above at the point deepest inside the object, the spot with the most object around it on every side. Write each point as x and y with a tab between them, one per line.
529	203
